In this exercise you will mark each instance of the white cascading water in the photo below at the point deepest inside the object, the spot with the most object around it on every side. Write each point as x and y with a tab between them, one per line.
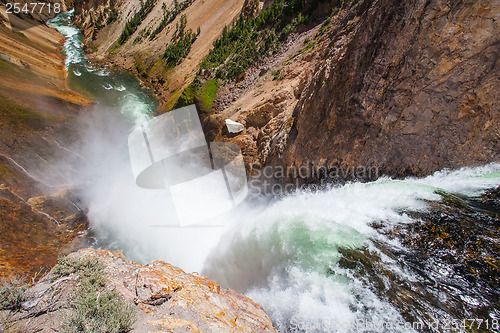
282	254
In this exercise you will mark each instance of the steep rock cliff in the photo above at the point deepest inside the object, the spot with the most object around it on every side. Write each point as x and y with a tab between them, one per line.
406	87
37	111
92	15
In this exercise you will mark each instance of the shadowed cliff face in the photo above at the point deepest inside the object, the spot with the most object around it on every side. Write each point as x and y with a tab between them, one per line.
409	87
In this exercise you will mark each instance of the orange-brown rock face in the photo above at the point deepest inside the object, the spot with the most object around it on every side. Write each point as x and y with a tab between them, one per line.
31	239
36	110
405	87
93	14
165	298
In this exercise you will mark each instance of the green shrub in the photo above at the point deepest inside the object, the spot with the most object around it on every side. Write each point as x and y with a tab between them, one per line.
95	312
169	16
112	16
252	38
201	95
207	95
180	44
188	95
12	294
276	75
141	35
94	309
324	27
136	20
84	267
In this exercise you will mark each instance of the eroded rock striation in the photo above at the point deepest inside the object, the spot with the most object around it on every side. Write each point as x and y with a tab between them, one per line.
37	116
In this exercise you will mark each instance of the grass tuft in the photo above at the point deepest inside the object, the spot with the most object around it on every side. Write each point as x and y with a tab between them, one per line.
200	94
99	313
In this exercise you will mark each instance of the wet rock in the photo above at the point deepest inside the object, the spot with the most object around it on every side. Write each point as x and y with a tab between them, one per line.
447	266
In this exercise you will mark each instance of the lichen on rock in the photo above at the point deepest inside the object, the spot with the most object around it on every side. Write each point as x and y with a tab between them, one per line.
161	297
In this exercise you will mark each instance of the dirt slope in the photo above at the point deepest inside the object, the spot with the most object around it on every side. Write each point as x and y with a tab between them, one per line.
36	108
209	15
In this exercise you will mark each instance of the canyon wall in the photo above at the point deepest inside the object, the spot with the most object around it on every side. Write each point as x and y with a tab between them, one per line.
141	54
395	88
37	109
407	87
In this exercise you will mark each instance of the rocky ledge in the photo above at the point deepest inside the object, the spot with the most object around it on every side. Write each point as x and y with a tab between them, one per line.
101	291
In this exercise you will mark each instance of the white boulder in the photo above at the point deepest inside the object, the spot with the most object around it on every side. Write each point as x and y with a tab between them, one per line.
234	127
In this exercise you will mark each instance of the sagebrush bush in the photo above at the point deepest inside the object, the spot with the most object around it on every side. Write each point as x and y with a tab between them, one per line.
82	266
94	309
96	312
12	294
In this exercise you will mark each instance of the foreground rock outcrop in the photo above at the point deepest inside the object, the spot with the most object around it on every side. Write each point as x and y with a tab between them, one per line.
162	297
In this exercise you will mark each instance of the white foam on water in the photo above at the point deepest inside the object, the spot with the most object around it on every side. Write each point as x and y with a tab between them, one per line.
103	73
72	42
133	107
284	254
